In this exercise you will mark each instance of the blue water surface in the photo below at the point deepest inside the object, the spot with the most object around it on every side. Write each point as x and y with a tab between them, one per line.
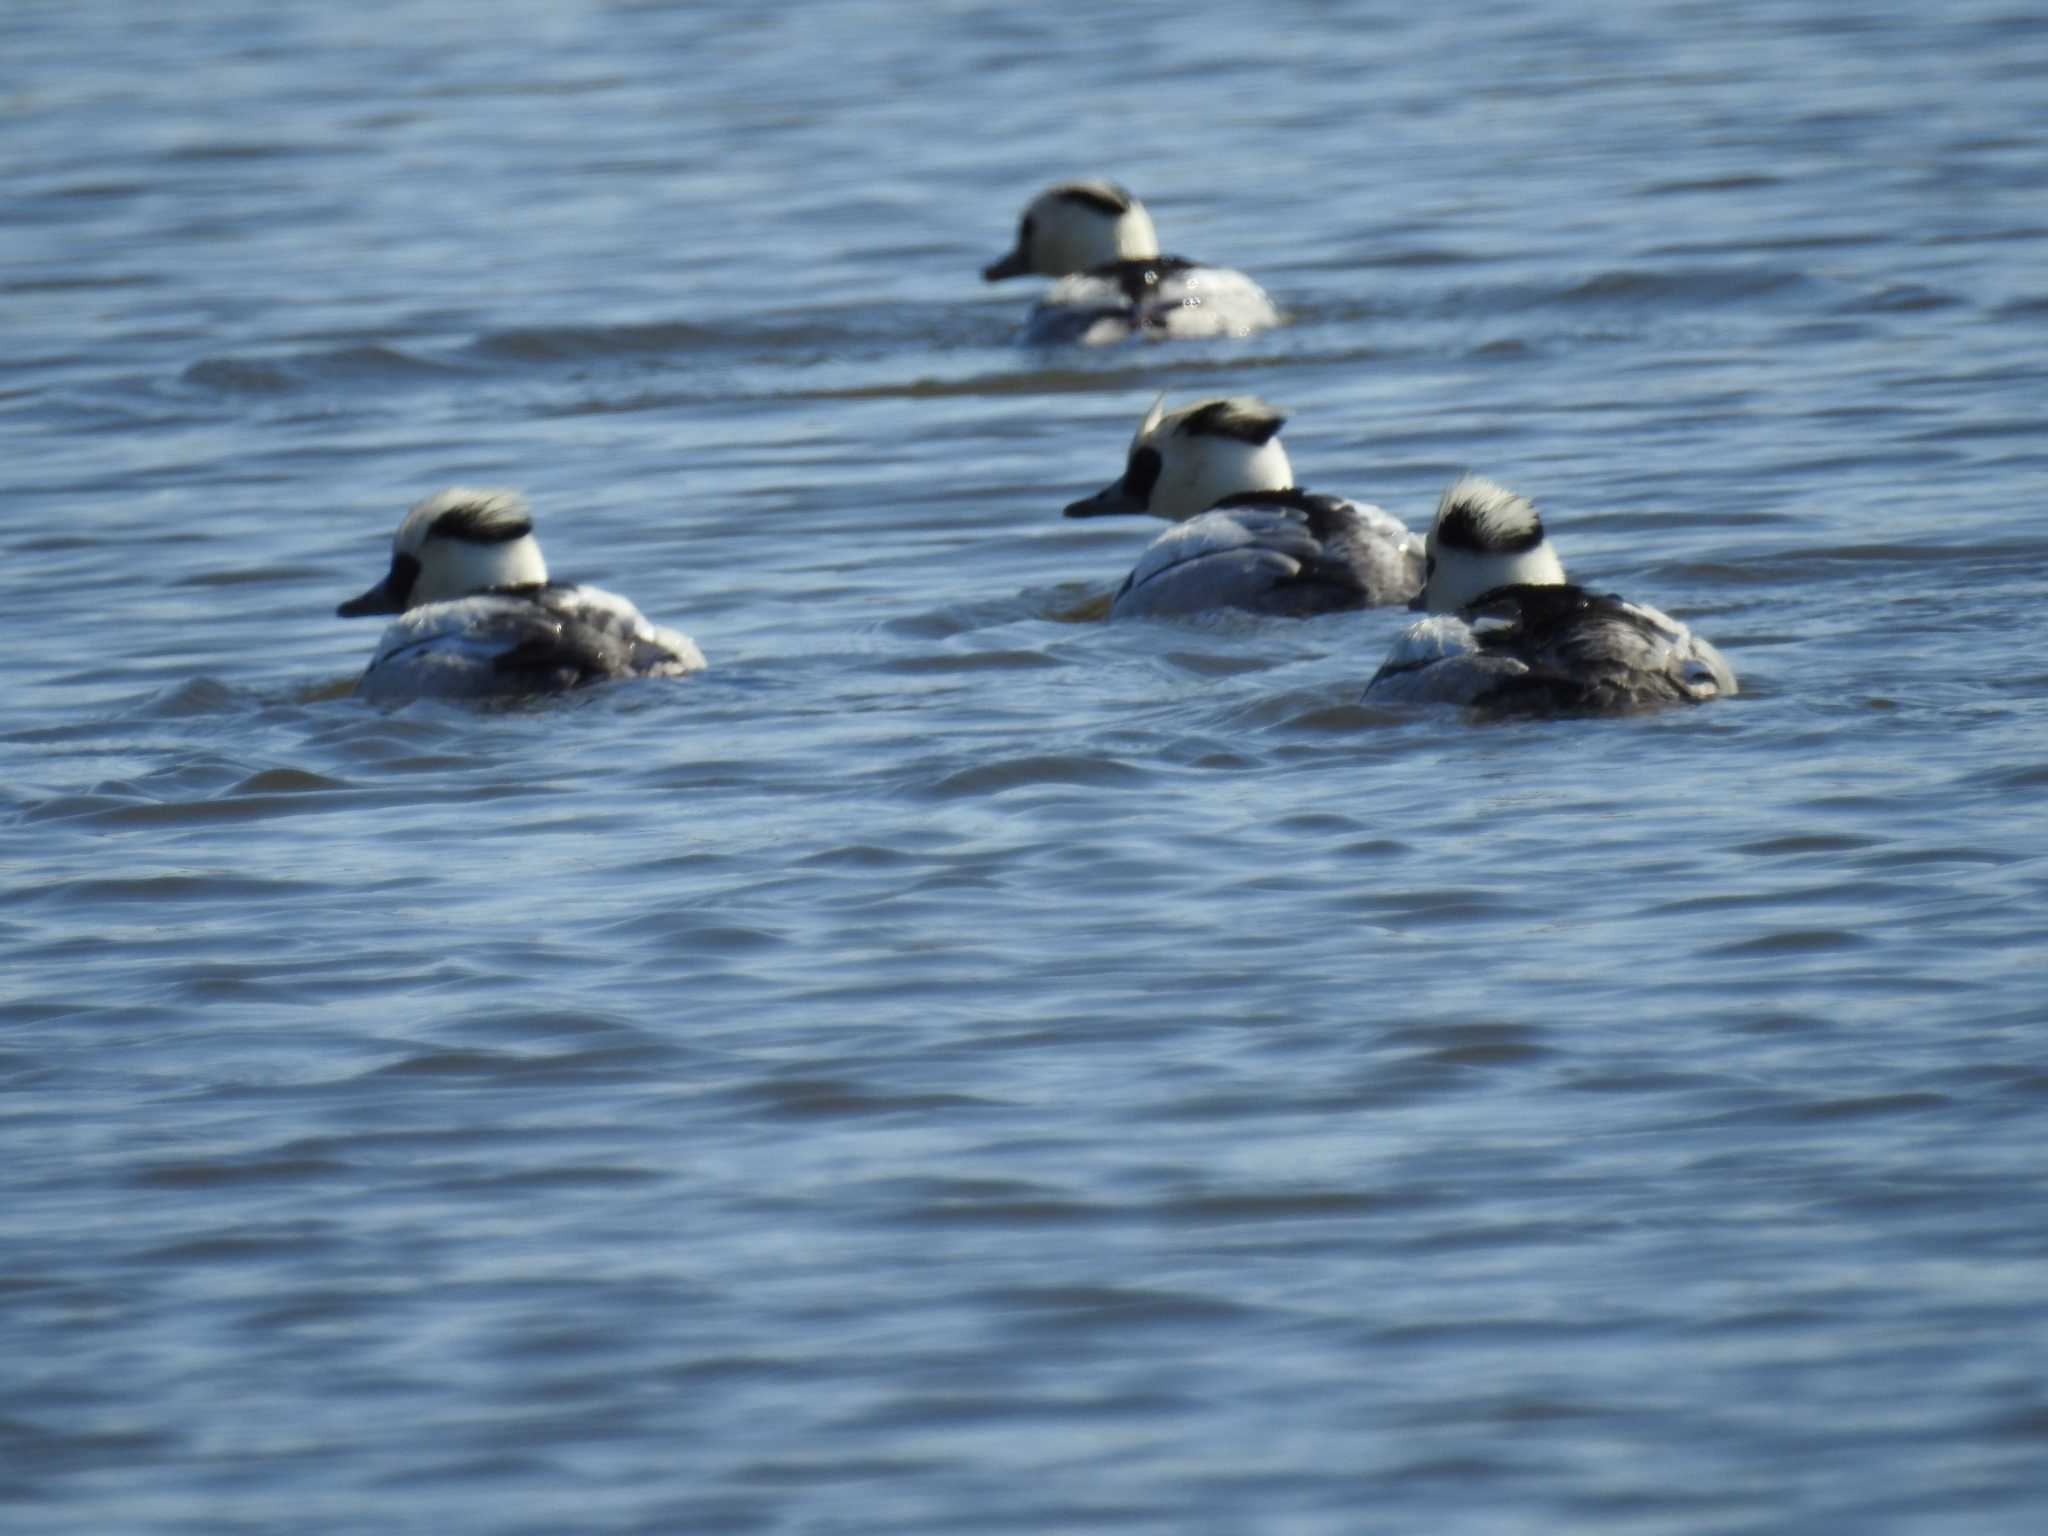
959	1065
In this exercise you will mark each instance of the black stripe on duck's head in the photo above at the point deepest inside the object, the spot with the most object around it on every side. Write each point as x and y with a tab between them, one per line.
1102	196
454	543
476	517
1076	225
1484	517
1246	418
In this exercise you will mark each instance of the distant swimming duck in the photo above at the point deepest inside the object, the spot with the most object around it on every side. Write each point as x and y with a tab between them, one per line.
1245	536
1098	241
478	617
1509	635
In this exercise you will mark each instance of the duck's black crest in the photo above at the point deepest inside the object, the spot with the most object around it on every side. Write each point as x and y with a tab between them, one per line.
1576	643
570	657
1248	423
1479	530
1105	197
480	523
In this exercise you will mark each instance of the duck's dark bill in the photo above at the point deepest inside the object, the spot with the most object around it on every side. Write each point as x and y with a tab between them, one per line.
377	600
1012	265
1111	499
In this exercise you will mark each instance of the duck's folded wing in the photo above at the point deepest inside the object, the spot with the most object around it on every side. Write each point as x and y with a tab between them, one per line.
1384	558
496	645
1591	653
1362	555
1440	660
1252	558
592	616
1080	323
1623	655
1092	308
1286	552
1696	669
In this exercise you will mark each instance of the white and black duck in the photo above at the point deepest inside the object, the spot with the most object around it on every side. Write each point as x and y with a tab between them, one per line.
1244	535
1508	634
1097	240
478	617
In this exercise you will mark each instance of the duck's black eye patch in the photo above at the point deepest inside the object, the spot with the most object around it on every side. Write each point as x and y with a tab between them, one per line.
1141	474
1024	233
479	523
405	570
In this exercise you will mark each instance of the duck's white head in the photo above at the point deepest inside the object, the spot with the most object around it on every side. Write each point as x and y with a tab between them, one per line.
456	542
1183	462
1484	536
1077	225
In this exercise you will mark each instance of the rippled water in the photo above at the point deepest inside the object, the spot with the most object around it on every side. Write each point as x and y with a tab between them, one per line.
955	1064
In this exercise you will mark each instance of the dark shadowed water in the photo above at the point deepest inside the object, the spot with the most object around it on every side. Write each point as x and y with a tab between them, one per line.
954	1065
